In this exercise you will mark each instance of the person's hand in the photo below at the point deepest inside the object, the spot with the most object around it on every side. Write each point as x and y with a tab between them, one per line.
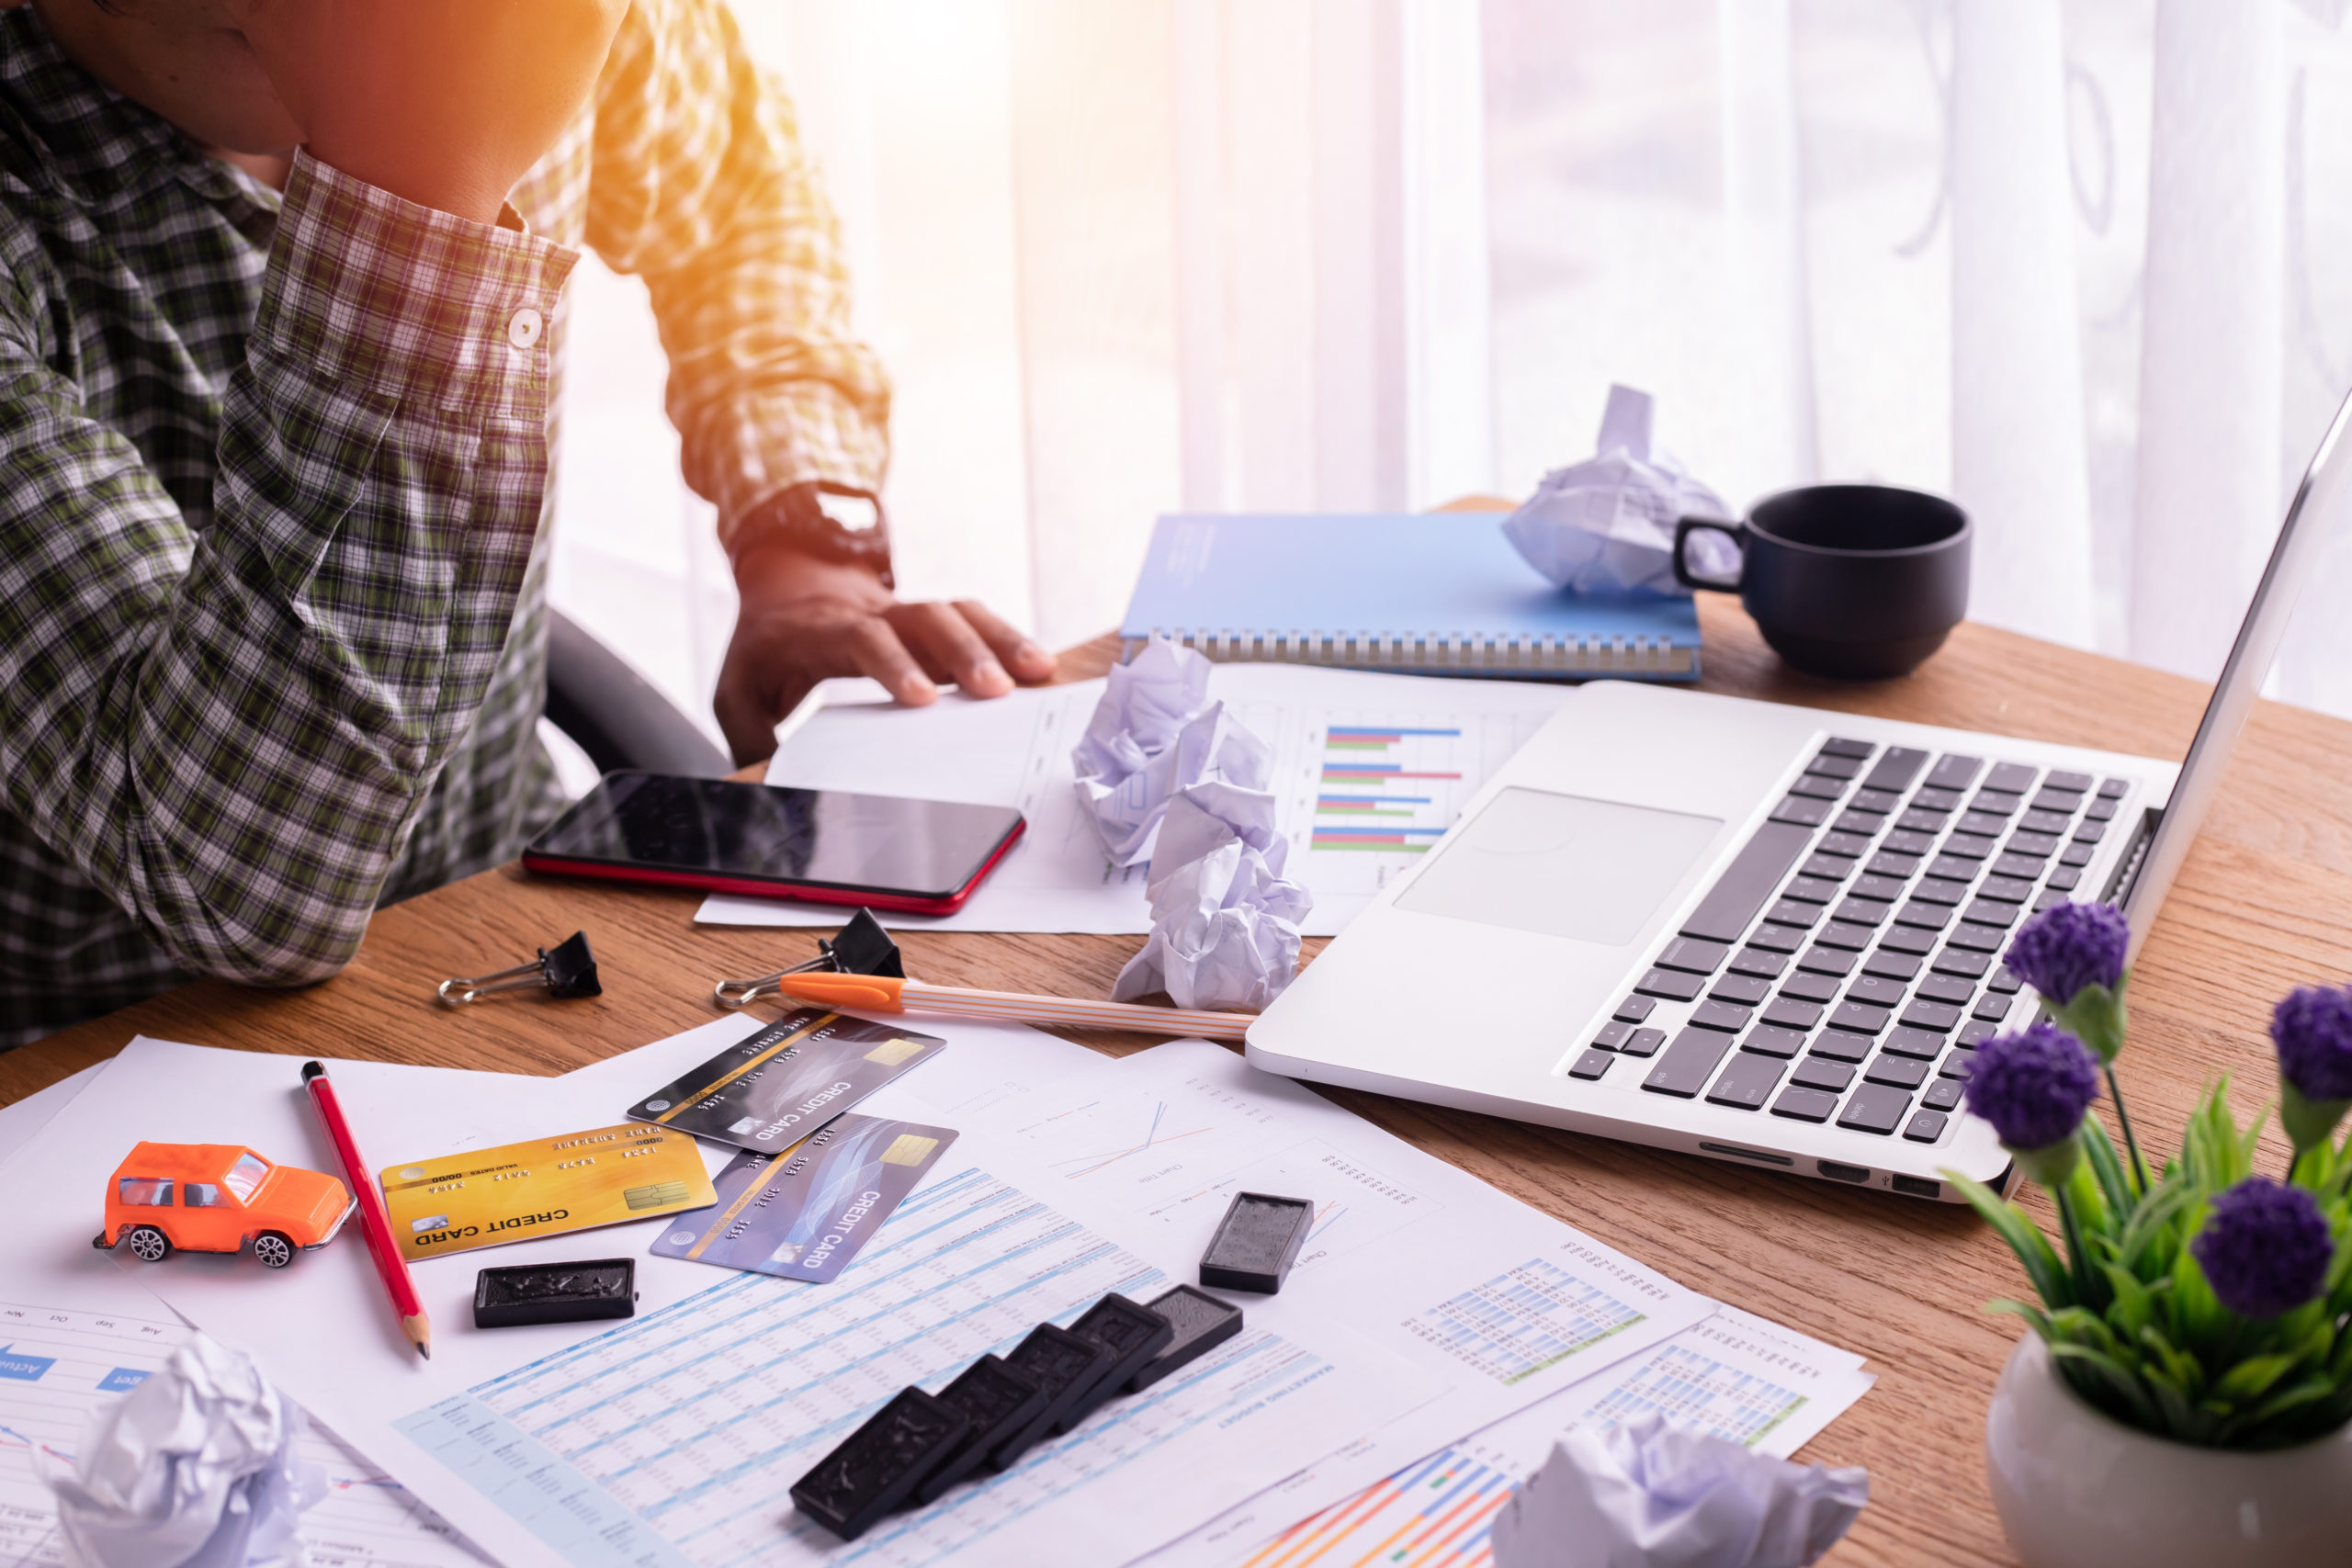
446	103
804	619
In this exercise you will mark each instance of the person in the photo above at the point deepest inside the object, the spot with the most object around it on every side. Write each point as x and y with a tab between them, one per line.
279	348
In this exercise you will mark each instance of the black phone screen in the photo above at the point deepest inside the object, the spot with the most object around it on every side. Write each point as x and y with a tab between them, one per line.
825	838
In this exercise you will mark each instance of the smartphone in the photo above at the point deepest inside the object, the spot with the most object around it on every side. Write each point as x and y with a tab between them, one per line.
922	857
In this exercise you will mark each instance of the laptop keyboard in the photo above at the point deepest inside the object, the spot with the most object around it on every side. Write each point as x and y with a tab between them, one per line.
1847	961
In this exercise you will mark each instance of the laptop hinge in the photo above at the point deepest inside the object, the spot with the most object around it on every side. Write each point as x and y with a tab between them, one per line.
2127	870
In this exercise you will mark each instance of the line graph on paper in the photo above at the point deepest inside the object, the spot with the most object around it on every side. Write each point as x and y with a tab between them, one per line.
1155	1136
59	1367
1177	1156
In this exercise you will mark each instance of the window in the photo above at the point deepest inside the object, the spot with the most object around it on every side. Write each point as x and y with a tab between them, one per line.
147	1192
204	1195
245	1177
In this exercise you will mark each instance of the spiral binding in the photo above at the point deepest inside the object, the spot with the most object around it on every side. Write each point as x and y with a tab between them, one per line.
1432	653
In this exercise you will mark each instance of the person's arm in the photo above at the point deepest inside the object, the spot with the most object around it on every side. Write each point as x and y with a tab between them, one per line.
230	731
700	186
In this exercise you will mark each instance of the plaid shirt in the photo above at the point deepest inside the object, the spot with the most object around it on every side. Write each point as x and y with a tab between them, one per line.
273	495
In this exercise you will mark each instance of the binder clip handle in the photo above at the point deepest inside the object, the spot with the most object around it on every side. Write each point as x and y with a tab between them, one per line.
565	971
861	947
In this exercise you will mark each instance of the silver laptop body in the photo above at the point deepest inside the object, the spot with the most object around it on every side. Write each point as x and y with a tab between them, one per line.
1759	932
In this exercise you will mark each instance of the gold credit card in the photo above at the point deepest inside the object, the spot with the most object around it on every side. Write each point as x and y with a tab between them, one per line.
544	1186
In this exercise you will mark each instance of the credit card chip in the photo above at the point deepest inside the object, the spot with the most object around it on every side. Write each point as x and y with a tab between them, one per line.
908	1148
656	1195
890	1053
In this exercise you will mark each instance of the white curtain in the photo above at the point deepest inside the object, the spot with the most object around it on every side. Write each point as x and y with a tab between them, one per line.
2077	263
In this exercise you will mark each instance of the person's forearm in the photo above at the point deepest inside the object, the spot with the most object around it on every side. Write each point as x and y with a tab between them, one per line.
234	734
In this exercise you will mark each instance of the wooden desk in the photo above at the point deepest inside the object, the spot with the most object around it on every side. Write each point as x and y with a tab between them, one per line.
2265	903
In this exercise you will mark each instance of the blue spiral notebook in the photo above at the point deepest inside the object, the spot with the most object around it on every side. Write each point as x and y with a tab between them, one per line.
1420	593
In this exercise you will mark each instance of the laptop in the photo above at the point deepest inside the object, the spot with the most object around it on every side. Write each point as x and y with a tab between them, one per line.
1759	932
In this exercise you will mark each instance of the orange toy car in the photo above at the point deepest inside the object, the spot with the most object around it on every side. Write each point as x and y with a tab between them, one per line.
217	1198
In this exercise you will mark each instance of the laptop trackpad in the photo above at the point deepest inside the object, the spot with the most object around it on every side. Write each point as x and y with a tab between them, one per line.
1561	865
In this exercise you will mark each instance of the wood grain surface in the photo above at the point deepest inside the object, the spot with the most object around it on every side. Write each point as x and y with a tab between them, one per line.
2264	902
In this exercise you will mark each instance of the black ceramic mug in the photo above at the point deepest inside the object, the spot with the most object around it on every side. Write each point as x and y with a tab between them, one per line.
1856	581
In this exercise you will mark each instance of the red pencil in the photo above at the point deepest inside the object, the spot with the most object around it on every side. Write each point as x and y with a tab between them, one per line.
374	1224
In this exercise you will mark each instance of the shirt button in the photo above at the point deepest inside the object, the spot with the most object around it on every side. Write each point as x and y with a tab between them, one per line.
522	328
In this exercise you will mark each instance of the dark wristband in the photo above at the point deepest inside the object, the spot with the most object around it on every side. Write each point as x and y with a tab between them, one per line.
794	517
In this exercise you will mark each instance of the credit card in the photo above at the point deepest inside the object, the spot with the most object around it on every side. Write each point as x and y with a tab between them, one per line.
804	1213
544	1186
787	1080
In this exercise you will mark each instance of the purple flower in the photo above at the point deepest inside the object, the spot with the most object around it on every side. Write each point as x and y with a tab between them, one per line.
2312	1028
2265	1248
2032	1085
2069	947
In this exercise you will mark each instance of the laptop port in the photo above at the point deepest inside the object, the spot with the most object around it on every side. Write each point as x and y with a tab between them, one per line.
1836	1172
1918	1186
1737	1152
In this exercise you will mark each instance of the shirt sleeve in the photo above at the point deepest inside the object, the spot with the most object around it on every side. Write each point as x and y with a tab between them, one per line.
231	731
700	186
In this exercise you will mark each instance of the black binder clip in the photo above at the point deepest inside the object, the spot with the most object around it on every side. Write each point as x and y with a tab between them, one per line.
566	970
861	947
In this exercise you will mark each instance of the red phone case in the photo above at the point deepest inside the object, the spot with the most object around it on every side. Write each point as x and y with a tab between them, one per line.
760	888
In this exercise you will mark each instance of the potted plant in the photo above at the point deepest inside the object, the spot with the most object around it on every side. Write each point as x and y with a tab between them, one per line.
2184	1395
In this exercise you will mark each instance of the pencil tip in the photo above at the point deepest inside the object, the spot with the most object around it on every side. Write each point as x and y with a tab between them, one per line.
426	1351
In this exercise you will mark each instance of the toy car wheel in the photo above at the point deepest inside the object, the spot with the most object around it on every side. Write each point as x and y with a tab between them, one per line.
148	1245
274	1250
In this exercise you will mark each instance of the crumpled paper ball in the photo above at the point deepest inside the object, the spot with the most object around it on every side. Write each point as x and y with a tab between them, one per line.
1223	921
1130	761
1650	1496
1175	780
195	1468
1606	526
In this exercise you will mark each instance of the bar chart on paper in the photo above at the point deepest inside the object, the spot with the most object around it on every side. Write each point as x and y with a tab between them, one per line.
1365	795
1731	1377
1364	799
57	1367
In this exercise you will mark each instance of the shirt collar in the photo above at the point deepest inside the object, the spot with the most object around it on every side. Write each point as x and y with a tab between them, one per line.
96	143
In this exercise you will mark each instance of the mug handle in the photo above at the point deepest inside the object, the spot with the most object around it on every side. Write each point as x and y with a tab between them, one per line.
1735	532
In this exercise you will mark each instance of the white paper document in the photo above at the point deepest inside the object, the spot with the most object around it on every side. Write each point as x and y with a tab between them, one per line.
59	1363
1731	1375
971	1262
19	1120
1425	1304
1369	770
1504	1304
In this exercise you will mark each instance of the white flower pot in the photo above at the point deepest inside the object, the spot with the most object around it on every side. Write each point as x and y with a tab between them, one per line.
2077	1490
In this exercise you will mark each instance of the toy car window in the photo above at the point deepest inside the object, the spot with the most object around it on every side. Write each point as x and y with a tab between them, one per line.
147	1192
204	1195
245	1177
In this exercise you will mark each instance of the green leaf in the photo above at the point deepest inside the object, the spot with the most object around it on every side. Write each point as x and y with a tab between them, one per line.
2251	1378
2112	1376
2100	1221
2297	1396
2081	1326
2034	1316
2025	1238
2172	1365
2172	1195
2199	1318
2179	1418
2108	1168
2135	1306
2338	1365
